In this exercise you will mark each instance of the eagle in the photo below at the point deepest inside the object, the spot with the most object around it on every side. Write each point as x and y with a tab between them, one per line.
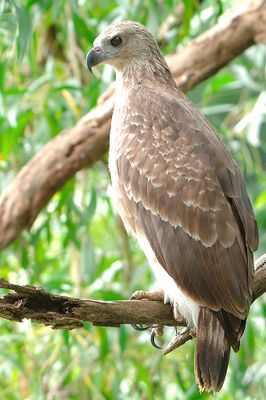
180	193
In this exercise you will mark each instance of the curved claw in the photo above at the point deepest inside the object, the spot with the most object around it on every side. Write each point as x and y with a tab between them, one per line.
153	334
139	327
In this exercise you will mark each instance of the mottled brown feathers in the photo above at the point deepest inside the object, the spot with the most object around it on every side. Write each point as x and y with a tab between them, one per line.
190	200
175	182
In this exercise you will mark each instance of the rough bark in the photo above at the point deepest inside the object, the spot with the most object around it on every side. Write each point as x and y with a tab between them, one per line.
62	312
85	143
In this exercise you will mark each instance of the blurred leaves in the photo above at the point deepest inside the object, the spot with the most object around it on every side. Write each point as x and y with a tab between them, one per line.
24	31
76	245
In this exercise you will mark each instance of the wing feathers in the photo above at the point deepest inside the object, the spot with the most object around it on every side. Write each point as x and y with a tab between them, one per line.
189	199
206	274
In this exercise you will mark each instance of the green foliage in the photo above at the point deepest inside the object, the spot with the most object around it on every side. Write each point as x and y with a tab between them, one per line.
77	245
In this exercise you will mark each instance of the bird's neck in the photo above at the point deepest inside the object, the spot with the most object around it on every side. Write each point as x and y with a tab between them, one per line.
140	71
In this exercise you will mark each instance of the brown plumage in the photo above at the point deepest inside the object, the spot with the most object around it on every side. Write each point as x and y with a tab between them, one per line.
180	193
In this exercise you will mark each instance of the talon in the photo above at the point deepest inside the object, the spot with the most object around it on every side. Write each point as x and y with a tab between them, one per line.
139	327
153	334
139	295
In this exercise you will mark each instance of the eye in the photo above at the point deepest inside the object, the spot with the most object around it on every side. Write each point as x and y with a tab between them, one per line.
116	41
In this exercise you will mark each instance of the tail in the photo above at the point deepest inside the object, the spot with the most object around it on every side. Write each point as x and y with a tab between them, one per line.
212	352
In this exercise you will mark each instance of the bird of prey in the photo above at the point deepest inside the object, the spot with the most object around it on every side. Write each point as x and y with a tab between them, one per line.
181	194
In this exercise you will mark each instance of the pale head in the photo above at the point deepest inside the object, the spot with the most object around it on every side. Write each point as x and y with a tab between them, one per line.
125	45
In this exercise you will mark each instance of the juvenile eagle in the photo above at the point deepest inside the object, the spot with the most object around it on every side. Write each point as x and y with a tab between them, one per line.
180	193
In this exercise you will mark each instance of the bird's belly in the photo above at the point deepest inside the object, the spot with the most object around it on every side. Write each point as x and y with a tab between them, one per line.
182	304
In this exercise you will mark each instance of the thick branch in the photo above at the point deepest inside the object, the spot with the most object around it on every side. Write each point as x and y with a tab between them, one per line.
62	312
85	143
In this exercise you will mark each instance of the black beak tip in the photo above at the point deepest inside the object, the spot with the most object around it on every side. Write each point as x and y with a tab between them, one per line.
94	57
88	63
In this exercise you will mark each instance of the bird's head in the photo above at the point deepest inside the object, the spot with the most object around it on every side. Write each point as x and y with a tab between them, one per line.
120	44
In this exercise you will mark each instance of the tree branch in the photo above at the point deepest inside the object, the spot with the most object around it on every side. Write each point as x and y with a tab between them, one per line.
85	143
62	312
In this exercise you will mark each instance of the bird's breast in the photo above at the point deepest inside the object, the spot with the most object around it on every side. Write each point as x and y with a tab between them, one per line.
121	202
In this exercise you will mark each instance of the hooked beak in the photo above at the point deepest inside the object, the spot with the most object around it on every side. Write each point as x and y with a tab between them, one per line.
95	56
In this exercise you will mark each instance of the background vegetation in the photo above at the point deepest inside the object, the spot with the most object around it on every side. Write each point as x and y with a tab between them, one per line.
77	245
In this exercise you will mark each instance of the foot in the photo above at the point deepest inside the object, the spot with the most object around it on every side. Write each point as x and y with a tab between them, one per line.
156	295
178	340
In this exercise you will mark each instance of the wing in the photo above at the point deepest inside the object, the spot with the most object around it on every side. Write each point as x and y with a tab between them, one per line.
189	197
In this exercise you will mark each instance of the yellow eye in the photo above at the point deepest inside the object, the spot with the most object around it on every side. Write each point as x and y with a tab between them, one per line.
116	41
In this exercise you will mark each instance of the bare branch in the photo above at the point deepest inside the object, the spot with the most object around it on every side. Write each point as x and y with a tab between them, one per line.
86	142
62	312
260	277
